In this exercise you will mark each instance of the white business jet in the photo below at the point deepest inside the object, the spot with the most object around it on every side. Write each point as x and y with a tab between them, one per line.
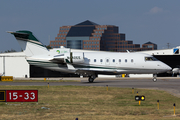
88	64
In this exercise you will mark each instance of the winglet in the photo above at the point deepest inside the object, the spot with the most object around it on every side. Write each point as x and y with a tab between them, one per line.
69	65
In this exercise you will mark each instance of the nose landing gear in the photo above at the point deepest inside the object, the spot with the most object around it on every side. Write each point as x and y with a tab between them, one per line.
154	78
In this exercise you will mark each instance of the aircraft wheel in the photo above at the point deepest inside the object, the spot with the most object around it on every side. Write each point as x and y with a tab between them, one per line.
91	80
154	79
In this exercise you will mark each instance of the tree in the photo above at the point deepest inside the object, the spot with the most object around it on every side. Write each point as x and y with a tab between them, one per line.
8	51
48	47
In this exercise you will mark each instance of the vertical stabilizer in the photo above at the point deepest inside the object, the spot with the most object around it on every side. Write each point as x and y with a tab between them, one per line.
30	44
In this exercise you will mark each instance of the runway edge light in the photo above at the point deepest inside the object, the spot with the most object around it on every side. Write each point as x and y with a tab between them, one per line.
174	108
158	104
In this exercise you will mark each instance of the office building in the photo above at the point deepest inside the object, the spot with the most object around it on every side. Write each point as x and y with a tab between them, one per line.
91	36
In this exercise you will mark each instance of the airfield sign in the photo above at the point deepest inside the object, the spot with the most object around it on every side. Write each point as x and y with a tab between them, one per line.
18	95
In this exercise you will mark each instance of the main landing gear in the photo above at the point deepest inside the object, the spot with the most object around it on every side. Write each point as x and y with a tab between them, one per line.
91	79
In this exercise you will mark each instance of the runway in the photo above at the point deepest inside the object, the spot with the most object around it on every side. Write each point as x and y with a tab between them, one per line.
171	85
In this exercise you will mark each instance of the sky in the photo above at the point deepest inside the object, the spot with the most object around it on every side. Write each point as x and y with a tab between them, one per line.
142	21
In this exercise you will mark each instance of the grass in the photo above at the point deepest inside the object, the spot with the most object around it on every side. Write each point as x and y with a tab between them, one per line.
90	103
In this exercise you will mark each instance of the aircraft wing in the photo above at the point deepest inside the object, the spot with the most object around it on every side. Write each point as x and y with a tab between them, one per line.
58	58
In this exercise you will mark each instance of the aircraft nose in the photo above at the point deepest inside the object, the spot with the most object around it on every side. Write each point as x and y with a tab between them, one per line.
167	67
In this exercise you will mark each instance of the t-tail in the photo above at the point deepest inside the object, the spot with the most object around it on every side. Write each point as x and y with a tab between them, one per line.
30	44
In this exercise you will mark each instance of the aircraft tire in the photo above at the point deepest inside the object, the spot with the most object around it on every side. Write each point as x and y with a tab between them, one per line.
154	79
91	80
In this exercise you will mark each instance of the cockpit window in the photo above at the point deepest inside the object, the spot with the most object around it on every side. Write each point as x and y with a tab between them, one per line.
150	59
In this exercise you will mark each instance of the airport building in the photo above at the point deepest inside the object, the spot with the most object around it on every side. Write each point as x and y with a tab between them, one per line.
14	64
91	36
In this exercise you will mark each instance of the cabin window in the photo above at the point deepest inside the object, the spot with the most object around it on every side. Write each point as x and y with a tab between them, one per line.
132	60
89	60
94	60
101	60
107	60
119	60
113	60
125	60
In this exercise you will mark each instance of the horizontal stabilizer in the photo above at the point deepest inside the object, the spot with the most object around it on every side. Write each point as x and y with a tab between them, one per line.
29	43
